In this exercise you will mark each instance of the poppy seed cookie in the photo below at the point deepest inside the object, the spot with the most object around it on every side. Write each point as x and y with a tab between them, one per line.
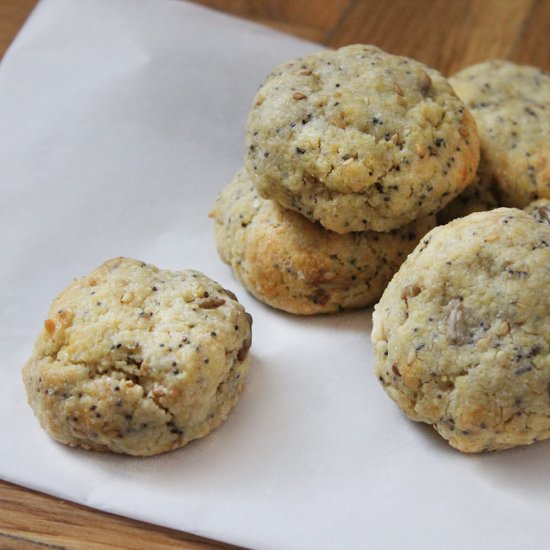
296	265
137	360
511	106
462	332
359	139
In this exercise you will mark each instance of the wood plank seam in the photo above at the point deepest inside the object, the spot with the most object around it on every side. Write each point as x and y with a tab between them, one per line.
26	541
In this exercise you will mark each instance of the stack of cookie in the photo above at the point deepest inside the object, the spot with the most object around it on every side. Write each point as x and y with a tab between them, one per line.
349	155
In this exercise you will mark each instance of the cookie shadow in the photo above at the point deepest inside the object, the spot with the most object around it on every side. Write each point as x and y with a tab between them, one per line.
217	451
522	471
356	320
254	426
433	439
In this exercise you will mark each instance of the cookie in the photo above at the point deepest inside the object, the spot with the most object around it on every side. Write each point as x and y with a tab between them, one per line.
137	360
480	196
359	139
511	106
462	332
540	210
296	265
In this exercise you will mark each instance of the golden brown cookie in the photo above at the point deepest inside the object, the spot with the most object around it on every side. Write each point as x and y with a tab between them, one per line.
511	105
359	139
138	360
296	265
462	332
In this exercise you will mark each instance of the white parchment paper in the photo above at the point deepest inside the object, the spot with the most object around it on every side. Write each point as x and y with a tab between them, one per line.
120	121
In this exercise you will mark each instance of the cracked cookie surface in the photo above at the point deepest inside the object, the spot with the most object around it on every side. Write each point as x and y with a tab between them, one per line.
291	263
511	106
359	139
138	360
462	332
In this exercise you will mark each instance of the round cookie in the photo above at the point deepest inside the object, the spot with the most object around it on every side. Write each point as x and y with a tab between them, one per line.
478	197
359	139
462	332
137	360
511	106
296	265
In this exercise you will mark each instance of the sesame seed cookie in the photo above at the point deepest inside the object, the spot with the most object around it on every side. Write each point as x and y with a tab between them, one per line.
296	265
480	196
359	139
137	360
511	106
462	332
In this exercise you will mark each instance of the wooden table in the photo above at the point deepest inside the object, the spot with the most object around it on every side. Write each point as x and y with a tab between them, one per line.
445	34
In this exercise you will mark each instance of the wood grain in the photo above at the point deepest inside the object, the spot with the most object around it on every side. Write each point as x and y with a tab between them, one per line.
532	44
445	34
312	19
13	14
35	518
